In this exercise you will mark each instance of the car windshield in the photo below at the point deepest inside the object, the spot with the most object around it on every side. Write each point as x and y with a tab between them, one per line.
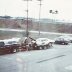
44	40
36	35
41	39
12	42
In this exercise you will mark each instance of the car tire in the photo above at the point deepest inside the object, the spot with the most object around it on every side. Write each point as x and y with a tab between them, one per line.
50	44
66	43
45	47
40	48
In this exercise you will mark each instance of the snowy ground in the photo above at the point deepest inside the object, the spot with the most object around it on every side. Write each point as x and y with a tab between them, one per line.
56	59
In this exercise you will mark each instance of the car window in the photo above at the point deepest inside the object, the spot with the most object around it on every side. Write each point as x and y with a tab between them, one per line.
12	42
44	40
2	44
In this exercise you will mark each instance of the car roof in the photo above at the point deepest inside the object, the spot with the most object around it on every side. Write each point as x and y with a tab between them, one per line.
41	38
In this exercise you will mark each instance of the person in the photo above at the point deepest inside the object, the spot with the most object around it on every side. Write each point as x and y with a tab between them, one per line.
26	43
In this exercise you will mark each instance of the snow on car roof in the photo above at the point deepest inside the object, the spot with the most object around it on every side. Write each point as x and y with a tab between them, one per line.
39	39
45	39
15	39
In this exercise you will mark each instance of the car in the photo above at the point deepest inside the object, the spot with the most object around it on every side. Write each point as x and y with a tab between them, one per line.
12	44
62	40
43	43
5	48
68	37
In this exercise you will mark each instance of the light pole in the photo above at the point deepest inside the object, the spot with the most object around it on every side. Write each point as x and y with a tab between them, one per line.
39	15
27	31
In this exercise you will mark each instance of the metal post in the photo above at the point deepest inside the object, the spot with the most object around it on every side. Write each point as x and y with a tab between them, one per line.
39	16
27	31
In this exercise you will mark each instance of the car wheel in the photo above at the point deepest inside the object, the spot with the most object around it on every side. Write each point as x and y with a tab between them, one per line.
63	43
50	44
66	43
14	50
45	47
41	47
71	41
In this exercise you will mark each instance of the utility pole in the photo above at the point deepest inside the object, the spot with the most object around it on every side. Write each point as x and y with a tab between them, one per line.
27	31
39	15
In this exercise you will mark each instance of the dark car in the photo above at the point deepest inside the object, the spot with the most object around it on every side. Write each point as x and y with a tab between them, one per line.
3	48
68	37
13	44
9	45
61	40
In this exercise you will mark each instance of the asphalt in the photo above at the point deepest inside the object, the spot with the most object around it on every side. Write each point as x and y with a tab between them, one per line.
56	59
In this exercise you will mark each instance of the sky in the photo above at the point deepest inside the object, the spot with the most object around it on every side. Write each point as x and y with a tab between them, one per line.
17	8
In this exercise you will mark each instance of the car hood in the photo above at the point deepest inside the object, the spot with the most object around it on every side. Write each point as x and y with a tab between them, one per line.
44	42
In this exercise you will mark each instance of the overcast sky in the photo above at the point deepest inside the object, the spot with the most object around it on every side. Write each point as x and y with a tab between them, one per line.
18	7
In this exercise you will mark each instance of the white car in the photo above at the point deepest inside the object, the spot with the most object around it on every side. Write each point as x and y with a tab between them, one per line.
43	43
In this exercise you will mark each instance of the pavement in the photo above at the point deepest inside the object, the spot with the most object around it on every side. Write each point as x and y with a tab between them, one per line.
56	59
